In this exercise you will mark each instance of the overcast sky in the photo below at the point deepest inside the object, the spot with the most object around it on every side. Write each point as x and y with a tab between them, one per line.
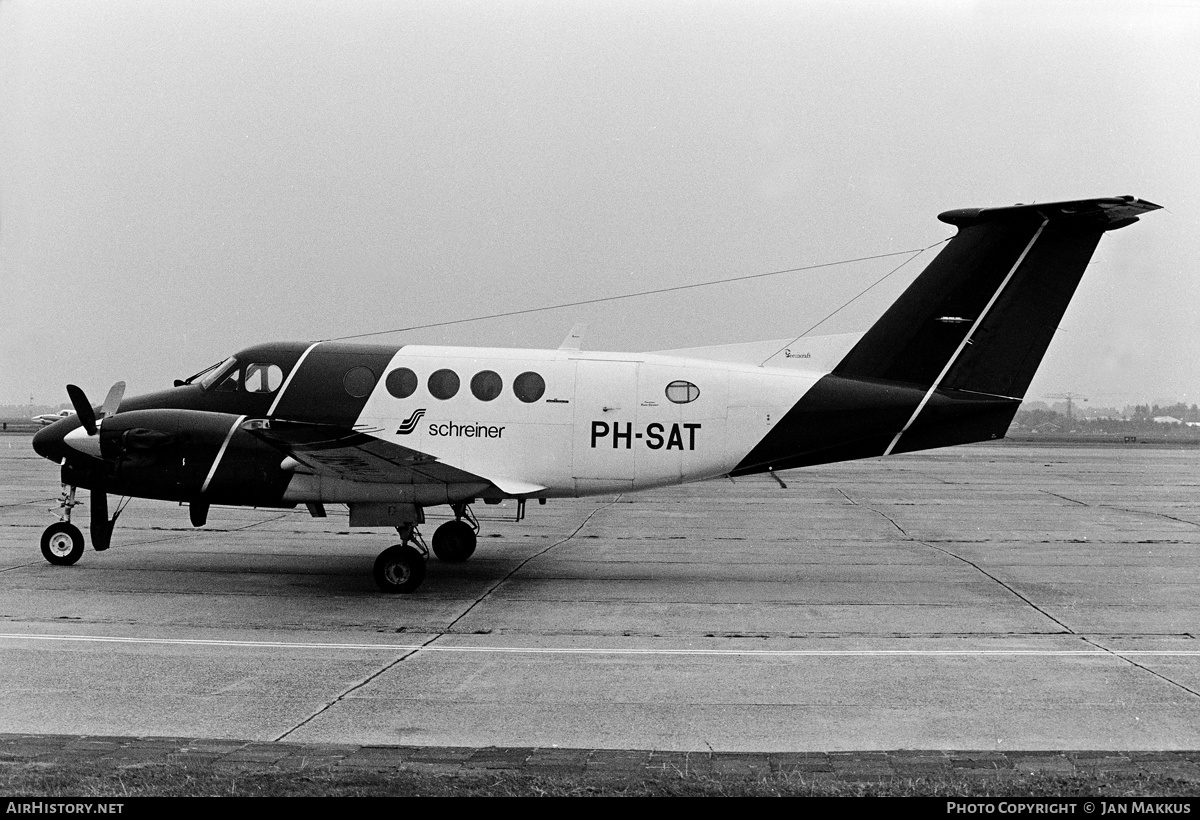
179	180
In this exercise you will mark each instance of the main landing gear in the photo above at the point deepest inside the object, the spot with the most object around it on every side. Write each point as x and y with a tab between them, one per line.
62	542
401	569
454	541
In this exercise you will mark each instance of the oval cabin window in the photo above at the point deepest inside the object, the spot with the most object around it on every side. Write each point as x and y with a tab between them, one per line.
401	382
359	381
529	387
486	385
682	392
443	384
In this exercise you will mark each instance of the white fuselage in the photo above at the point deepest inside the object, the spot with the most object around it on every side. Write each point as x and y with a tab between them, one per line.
604	424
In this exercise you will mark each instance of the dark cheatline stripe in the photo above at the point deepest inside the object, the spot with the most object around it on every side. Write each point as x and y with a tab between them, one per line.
843	419
317	392
958	417
838	419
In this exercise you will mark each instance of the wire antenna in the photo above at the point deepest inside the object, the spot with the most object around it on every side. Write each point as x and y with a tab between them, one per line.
600	299
847	303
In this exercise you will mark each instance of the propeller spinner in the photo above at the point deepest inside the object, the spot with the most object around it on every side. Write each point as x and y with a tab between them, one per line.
85	439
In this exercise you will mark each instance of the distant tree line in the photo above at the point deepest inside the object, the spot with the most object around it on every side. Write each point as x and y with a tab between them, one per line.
1134	420
1179	410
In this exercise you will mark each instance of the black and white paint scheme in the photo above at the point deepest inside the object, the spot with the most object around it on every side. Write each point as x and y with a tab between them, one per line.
390	430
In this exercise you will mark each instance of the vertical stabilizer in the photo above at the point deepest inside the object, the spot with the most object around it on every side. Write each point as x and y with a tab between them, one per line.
981	316
951	359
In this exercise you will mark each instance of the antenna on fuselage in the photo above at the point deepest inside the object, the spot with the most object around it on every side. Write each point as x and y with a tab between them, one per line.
574	340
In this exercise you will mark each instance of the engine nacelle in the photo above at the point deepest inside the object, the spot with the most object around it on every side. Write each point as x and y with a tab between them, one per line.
178	455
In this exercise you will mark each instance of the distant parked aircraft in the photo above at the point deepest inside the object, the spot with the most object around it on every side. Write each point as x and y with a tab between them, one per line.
50	418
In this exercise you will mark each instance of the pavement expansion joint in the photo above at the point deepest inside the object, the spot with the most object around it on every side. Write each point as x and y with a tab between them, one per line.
1144	668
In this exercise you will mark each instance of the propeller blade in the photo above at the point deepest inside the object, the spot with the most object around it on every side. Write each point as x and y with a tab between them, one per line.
113	400
83	409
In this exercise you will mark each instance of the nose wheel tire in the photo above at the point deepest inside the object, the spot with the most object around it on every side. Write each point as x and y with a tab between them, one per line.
62	543
399	569
454	542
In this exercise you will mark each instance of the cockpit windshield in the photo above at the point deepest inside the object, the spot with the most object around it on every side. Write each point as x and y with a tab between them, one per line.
195	376
207	378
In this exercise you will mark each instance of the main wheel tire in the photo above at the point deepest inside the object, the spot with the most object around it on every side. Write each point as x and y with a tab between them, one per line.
399	569
62	543
454	542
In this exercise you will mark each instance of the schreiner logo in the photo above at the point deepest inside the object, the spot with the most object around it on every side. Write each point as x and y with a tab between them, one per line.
449	428
410	423
655	435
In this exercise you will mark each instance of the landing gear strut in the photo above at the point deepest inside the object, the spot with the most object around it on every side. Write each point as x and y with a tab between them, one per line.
62	542
402	568
454	541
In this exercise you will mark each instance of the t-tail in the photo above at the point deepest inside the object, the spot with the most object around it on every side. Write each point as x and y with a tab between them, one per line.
951	359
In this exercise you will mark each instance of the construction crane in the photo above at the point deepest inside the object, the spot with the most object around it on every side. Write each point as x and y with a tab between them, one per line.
1071	398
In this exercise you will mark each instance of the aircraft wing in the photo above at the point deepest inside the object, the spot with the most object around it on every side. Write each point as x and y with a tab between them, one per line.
355	455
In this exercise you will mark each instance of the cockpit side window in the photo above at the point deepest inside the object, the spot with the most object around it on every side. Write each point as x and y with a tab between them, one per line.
229	384
262	377
217	373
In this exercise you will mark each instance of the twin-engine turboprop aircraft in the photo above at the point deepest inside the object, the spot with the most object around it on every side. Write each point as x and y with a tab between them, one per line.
390	430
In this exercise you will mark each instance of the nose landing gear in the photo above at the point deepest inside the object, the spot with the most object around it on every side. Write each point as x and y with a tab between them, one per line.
62	542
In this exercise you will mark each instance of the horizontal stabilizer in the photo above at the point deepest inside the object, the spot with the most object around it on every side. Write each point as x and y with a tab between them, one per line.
1105	214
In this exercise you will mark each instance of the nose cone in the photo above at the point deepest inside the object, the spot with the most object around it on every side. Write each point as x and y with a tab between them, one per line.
49	441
